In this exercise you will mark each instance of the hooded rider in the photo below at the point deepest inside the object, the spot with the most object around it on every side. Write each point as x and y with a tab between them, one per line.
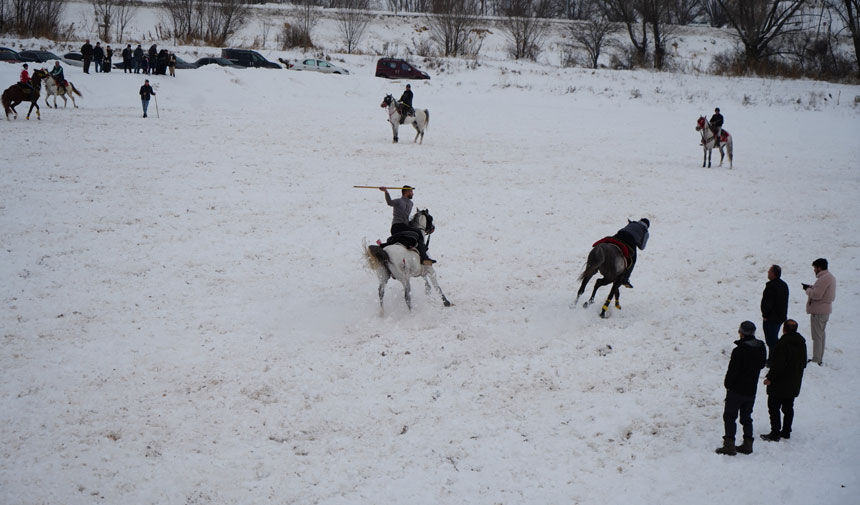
716	123
634	235
400	221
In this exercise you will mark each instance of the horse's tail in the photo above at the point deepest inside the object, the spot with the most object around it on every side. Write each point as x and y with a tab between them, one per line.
75	90
375	256
729	148
6	102
427	114
595	258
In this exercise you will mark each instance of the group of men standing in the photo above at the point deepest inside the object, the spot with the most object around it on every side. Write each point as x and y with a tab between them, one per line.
136	60
785	357
98	56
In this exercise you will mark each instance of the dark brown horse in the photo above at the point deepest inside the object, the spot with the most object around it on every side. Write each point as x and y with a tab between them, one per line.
607	259
16	94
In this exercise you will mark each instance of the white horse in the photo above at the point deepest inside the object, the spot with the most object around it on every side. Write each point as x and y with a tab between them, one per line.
397	262
55	90
709	141
419	120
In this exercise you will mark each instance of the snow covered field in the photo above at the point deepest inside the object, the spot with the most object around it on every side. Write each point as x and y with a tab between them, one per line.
187	317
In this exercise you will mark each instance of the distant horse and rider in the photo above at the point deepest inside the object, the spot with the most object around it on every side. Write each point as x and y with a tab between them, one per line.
19	92
399	113
714	136
614	258
55	89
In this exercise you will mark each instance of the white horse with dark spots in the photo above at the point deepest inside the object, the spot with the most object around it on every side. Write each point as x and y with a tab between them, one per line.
396	113
52	88
396	261
709	141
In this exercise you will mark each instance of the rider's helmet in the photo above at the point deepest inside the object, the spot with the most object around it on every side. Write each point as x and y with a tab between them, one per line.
25	66
717	110
646	221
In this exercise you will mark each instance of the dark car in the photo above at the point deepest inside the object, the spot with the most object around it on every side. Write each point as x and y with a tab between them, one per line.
395	68
247	58
9	56
39	56
224	62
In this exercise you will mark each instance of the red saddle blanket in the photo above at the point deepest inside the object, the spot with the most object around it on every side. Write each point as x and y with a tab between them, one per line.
614	241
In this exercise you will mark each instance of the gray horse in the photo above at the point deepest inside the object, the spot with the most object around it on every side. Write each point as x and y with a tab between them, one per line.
606	258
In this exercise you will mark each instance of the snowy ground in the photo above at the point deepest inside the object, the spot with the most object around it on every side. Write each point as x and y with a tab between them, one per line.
187	318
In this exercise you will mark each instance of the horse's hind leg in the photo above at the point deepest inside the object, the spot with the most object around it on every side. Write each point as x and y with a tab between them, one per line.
407	293
612	292
432	275
582	289
599	283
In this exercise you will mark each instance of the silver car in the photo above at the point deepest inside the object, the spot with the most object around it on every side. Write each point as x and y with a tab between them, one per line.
318	66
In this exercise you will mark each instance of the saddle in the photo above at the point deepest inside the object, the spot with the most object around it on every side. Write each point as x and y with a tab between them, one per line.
625	249
408	239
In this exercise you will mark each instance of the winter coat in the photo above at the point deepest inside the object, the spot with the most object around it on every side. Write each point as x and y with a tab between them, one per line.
774	301
146	91
98	53
717	121
138	54
748	358
407	97
57	73
638	233
787	362
821	294
153	52
126	54
25	77
87	51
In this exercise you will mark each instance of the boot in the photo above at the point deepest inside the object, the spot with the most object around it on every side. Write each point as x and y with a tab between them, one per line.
785	434
728	447
773	436
746	448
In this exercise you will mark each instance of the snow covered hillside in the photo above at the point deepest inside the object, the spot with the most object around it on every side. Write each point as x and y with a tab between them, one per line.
187	317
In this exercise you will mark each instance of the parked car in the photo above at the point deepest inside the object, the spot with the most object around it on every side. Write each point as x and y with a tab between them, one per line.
318	66
214	60
74	59
39	56
395	68
247	58
9	55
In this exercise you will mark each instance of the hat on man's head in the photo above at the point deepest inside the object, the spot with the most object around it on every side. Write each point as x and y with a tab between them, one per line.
717	109
747	328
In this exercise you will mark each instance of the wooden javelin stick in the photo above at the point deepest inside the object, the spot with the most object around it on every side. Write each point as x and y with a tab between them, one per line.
377	187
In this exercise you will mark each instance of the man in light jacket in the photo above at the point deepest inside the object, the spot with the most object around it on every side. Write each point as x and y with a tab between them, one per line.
819	305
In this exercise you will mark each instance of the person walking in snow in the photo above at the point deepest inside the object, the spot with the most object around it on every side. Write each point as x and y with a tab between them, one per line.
819	305
774	307
745	364
146	92
634	235
783	380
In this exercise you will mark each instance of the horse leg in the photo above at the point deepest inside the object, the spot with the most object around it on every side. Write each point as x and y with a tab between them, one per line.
582	290
600	282
394	130
34	104
432	275
407	293
722	155
612	292
704	156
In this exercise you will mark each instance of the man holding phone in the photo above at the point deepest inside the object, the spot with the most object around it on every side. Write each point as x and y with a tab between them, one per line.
819	305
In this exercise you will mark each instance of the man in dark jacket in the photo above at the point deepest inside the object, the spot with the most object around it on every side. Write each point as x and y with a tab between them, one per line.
153	56
146	92
98	56
783	380
126	59
747	360
137	58
87	54
406	101
774	307
634	235
716	123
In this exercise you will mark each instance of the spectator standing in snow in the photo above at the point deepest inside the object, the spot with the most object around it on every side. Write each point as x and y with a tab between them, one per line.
126	59
774	307
741	380
819	305
98	56
87	54
137	58
153	54
146	92
787	361
171	64
107	63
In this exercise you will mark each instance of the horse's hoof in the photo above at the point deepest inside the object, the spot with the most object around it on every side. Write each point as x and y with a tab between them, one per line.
447	303
603	314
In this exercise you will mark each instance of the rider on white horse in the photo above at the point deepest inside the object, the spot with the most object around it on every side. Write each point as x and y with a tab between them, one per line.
57	74
716	123
406	104
400	221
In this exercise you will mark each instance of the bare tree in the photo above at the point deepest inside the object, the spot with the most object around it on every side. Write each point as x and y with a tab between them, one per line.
655	14
211	21
124	14
625	11
759	23
593	36
34	18
849	12
525	26
104	12
306	15
714	13
684	12
450	23
352	20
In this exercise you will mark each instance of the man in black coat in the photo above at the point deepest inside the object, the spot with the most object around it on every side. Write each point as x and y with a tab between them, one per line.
137	58
87	53
406	101
98	56
783	380
774	307
126	59
741	381
153	56
716	123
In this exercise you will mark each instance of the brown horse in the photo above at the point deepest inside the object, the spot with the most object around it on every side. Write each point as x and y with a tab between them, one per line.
16	94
